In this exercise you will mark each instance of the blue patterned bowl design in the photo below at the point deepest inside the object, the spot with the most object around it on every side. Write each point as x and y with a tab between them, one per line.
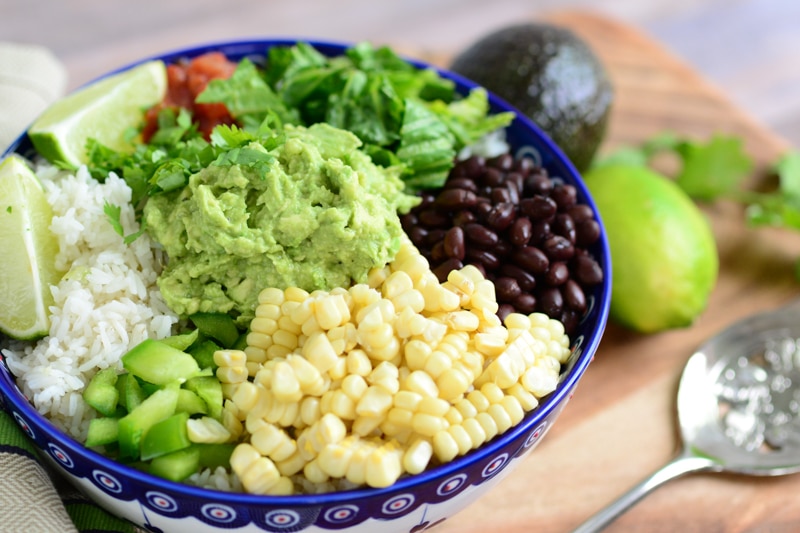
414	503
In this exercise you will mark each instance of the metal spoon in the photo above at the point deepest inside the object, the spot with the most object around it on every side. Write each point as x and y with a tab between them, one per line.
738	407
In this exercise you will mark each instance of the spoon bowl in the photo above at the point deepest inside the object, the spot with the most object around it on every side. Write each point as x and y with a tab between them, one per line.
738	406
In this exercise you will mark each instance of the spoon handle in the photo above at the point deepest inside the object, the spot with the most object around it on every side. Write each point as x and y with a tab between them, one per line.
680	465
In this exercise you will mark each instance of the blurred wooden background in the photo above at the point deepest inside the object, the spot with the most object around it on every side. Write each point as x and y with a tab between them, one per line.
749	48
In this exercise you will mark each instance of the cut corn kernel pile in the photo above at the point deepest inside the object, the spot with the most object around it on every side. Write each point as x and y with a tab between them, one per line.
385	378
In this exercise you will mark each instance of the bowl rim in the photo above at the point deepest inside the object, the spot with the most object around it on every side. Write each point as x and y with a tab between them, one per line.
567	380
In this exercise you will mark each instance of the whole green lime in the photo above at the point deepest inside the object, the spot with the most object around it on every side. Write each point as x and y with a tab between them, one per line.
552	76
664	257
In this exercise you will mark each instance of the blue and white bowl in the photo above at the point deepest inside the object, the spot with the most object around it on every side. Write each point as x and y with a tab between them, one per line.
413	503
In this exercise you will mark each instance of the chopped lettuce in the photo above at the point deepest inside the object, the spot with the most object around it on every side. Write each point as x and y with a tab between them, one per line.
404	116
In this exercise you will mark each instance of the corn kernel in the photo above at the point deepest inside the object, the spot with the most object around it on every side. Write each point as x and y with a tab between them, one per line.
374	402
466	407
433	406
453	415
314	473
358	363
310	410
354	386
500	416
364	426
232	374
284	383
461	438
444	446
331	311
488	424
384	466
273	442
318	351
492	392
421	383
286	323
428	425
335	457
406	399
292	465
475	431
453	383
437	363
400	417
284	487
514	409
417	456
207	430
357	467
479	400
416	353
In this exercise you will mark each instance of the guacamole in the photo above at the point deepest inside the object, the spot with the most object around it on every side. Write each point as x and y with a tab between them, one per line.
320	216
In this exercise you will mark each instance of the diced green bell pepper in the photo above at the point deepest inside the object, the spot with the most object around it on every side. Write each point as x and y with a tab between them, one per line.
167	436
102	431
153	409
178	465
219	326
158	363
210	390
189	402
101	392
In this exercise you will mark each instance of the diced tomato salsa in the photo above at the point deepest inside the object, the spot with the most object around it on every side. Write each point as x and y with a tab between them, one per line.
185	81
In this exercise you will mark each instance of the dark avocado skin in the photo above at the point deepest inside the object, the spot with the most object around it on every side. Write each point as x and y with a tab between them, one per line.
552	76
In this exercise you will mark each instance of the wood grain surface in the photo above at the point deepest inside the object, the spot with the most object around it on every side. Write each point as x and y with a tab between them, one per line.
620	425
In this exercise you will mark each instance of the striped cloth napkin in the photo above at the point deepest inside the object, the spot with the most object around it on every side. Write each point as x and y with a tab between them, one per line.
34	498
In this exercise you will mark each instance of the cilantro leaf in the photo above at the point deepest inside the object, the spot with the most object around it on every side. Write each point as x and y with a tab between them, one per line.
113	213
246	94
713	169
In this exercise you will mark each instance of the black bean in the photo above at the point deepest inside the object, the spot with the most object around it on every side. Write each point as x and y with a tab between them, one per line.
501	195
463	218
557	274
538	207
484	257
437	252
501	216
563	225
417	234
507	289
503	249
446	267
480	235
472	167
455	199
524	165
587	232
431	218
482	208
558	248
502	162
492	177
532	259
409	220
434	236
550	301
516	180
538	183
525	303
540	231
571	320
574	297
525	280
520	231
565	196
513	193
427	200
586	270
580	212
454	242
461	183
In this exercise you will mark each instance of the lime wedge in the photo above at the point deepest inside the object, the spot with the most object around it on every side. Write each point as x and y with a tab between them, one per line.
27	263
103	111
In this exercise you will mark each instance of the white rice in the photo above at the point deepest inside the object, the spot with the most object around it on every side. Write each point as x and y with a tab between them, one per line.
106	303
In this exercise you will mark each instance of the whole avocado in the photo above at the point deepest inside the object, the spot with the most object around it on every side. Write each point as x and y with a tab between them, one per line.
549	74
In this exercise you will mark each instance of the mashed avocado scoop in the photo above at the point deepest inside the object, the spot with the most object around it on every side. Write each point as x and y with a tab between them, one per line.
321	216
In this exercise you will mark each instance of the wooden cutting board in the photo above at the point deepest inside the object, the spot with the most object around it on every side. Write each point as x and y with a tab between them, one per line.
620	425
